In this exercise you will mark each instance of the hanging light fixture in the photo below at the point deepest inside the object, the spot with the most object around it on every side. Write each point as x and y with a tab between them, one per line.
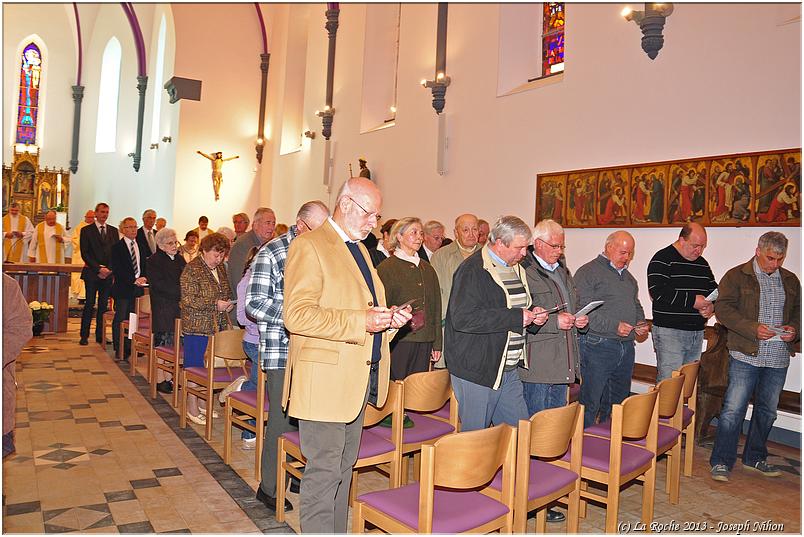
651	22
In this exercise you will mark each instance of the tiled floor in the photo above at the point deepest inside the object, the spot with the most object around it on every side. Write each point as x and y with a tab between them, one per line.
96	455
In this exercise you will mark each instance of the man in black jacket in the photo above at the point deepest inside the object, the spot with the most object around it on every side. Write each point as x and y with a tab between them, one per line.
146	235
128	265
486	318
96	246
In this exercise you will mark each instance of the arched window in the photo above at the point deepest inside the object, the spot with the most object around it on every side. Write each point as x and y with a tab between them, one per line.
106	133
158	81
28	108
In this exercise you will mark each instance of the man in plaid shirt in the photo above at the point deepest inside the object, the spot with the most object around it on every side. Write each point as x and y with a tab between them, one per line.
265	296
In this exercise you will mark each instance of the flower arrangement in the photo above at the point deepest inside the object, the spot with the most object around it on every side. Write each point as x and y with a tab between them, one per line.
41	311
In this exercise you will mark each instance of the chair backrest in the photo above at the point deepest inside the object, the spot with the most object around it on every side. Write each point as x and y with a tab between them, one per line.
427	391
471	459
670	401
393	401
228	344
551	430
636	414
690	372
143	305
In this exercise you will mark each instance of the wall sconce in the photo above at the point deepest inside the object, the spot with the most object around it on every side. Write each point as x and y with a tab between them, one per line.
439	90
167	139
651	22
258	147
326	120
310	134
155	146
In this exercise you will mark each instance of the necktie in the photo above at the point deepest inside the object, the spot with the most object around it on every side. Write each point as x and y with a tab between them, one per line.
103	232
151	243
134	263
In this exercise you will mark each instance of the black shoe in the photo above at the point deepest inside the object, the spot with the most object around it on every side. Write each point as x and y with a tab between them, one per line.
270	501
555	516
165	386
99	340
294	486
83	341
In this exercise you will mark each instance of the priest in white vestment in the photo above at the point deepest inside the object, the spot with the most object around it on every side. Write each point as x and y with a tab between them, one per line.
17	231
49	243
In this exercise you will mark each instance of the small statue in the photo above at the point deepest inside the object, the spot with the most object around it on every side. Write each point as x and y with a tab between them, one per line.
217	175
364	171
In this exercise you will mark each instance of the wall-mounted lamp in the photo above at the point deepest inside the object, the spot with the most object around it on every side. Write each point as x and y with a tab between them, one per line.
393	109
439	90
326	120
258	147
310	134
155	146
167	139
651	21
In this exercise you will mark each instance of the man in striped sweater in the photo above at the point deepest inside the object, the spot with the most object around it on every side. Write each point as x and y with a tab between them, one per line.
679	283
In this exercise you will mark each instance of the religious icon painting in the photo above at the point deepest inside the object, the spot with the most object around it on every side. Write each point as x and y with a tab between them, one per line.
649	194
581	189
550	196
778	190
730	191
612	197
686	194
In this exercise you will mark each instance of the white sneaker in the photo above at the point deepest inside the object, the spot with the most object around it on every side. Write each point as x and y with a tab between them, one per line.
233	387
249	444
200	419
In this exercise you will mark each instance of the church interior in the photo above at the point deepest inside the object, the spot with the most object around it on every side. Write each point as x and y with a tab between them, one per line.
453	108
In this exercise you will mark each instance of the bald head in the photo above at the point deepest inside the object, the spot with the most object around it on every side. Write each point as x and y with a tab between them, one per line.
50	218
357	207
466	229
89	216
691	241
619	248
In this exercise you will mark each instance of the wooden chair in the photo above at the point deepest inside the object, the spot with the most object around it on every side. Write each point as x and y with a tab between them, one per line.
613	461
168	359
228	345
452	496
668	439
424	392
241	406
543	438
690	398
374	450
108	317
142	340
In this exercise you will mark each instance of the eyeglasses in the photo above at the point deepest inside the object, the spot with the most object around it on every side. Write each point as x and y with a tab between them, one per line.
306	224
554	246
375	214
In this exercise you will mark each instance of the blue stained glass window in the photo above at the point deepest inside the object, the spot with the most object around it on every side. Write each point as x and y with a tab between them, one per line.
28	109
553	38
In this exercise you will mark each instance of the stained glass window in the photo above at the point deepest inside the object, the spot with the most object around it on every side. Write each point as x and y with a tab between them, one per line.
553	38
28	107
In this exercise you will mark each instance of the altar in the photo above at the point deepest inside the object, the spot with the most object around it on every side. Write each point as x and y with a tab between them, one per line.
46	283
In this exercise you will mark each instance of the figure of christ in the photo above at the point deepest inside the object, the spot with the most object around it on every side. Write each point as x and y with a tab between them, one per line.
782	206
579	200
640	198
558	204
614	207
217	161
685	194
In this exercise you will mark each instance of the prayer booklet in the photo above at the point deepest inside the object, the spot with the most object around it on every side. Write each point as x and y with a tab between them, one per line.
589	307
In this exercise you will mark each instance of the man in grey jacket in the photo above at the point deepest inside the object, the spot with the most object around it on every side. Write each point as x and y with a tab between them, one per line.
607	349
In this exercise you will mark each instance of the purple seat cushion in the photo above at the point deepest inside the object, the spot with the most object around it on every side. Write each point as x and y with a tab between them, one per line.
453	511
221	374
596	455
166	350
371	445
248	397
686	419
423	429
665	435
544	479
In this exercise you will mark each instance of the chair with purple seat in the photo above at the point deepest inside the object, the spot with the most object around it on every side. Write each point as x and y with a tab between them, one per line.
542	439
227	345
452	495
241	408
425	392
167	359
374	450
668	435
141	339
615	461
690	398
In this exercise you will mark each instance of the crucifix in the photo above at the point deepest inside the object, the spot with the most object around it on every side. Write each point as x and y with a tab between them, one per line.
217	161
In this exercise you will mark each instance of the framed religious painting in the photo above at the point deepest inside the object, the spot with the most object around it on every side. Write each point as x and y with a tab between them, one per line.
686	193
580	204
612	197
650	195
550	197
730	190
778	189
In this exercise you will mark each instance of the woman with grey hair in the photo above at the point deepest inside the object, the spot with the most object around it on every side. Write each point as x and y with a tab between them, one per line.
164	270
407	277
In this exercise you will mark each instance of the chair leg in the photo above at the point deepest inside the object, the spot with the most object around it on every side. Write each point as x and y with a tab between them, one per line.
417	459
541	520
281	457
176	383
227	436
152	373
208	427
648	494
405	460
689	448
674	473
353	488
582	501
612	506
183	406
573	507
358	524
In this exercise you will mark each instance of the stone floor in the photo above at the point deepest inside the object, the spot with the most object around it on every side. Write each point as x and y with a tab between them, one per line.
96	455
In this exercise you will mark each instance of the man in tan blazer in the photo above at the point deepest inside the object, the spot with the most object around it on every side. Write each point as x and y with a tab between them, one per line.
339	359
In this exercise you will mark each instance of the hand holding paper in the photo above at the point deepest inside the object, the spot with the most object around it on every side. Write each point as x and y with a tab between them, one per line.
589	307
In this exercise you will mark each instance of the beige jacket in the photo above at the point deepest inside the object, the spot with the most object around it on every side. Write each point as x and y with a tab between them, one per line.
17	324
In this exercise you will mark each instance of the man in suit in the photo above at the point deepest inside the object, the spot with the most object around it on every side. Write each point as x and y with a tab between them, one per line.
128	266
96	249
146	235
339	357
432	239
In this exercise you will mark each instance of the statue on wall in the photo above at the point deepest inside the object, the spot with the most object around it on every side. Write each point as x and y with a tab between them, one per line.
364	171
217	161
45	197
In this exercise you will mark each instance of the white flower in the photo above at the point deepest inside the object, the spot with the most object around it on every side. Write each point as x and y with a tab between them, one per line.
35	305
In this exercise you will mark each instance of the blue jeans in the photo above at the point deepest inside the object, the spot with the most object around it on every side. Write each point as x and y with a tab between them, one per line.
252	350
765	384
480	406
674	348
539	396
606	368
